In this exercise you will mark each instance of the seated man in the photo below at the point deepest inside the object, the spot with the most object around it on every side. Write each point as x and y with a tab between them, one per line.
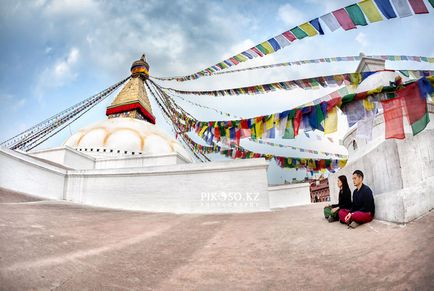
363	208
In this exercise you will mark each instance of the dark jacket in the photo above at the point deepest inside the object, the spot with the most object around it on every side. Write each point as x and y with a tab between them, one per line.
363	200
344	199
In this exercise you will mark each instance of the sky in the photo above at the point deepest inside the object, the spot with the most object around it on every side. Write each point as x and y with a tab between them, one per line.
54	54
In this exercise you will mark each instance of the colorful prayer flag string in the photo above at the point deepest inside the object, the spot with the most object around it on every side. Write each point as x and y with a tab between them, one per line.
348	18
306	83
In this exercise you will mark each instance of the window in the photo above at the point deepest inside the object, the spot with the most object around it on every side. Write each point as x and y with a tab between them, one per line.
354	145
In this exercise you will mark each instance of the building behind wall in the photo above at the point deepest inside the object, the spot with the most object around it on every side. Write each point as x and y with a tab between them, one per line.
319	190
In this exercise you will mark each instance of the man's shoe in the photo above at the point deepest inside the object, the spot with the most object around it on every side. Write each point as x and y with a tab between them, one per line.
331	219
353	224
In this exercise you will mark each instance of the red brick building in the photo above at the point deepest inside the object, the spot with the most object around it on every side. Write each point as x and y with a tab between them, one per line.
319	190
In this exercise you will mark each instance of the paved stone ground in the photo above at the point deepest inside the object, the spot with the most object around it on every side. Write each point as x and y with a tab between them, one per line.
48	245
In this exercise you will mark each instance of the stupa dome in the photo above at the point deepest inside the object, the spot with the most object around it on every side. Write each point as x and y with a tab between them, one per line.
380	79
125	136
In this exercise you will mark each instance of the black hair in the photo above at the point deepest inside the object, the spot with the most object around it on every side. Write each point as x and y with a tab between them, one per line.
358	173
344	181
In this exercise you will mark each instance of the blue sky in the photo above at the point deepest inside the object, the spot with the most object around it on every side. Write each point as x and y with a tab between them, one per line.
55	53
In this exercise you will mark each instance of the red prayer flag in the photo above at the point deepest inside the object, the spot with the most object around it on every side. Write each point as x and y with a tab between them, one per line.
217	133
297	121
418	6
415	107
333	102
257	51
393	118
233	60
237	136
289	35
244	124
344	19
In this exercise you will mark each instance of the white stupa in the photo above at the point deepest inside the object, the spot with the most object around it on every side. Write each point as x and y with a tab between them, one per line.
130	128
127	162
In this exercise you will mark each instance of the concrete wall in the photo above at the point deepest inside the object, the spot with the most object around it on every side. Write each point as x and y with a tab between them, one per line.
289	195
66	156
139	161
22	173
399	172
219	187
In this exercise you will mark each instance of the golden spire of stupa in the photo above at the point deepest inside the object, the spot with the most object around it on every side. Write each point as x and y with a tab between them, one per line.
132	101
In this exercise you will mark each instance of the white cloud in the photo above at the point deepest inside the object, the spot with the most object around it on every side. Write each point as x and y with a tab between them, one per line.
362	39
291	15
61	7
59	73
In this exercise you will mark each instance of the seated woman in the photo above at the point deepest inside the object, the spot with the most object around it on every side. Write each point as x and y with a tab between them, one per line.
331	211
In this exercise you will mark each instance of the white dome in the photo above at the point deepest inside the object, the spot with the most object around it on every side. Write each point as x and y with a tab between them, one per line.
379	79
125	136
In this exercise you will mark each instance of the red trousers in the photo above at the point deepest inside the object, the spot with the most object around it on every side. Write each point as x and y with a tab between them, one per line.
357	216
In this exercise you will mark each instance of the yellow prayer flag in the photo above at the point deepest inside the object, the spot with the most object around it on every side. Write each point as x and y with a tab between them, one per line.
259	128
267	46
203	130
342	163
241	58
339	79
375	91
309	29
370	10
368	104
269	124
331	121
356	78
311	164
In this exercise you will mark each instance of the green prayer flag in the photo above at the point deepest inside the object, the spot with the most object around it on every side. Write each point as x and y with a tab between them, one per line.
319	114
262	49
356	14
289	129
298	32
348	98
420	124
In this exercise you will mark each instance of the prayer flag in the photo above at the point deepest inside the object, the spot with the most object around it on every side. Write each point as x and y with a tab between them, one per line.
364	126
370	10
418	6
331	21
257	51
315	23
402	7
331	121
274	44
259	127
289	36
344	19
298	32
297	121
283	42
342	163
354	111
309	29
289	129
415	105
356	15
393	118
